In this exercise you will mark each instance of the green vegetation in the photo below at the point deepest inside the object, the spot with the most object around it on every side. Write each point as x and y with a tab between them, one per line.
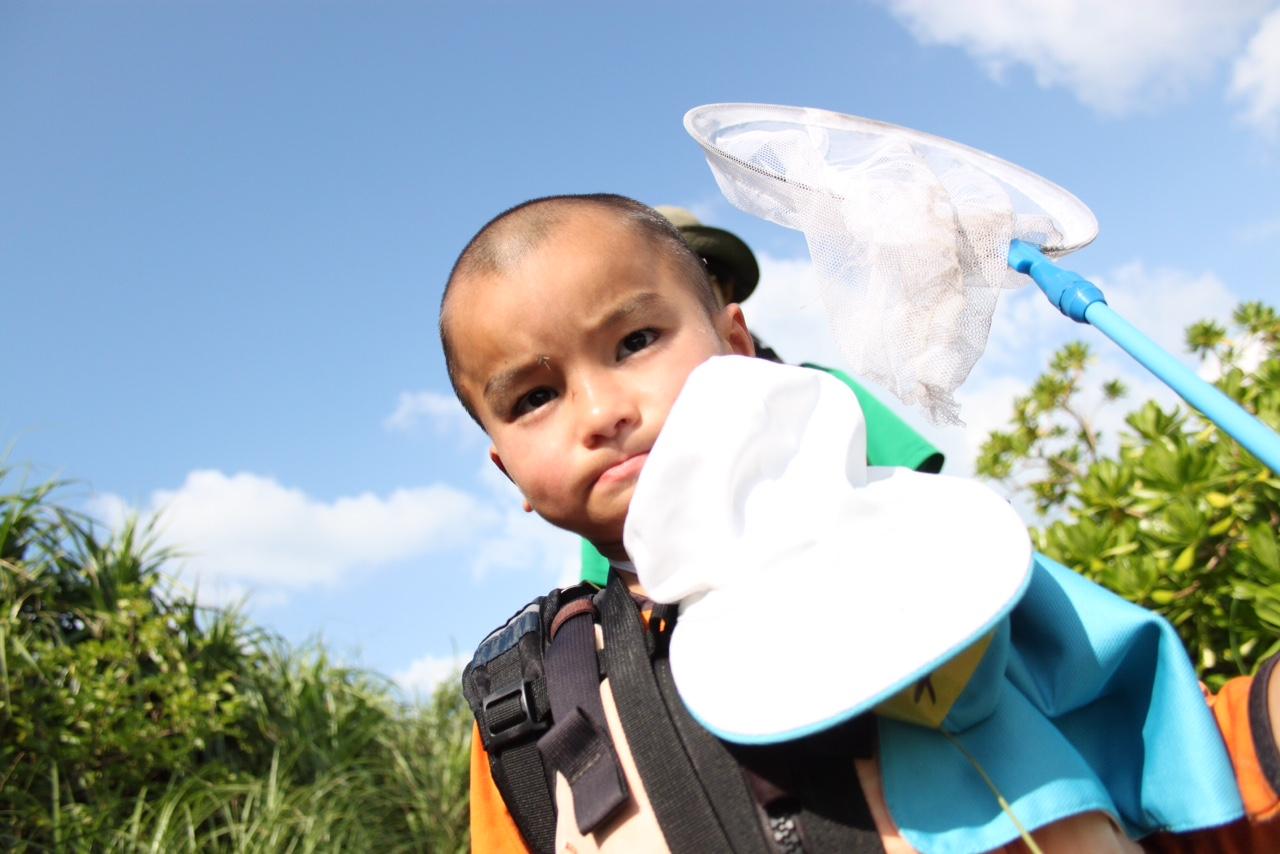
1178	517
131	719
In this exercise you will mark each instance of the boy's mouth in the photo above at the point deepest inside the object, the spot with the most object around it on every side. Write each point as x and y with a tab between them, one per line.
627	469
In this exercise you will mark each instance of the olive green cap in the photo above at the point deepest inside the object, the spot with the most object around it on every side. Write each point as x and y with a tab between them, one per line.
718	245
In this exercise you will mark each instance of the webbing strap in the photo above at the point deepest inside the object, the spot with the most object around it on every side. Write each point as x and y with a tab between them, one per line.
578	744
688	822
827	811
814	782
719	772
517	765
518	777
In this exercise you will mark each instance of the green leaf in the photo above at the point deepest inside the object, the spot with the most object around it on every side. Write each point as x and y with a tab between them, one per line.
1266	605
1264	548
1220	527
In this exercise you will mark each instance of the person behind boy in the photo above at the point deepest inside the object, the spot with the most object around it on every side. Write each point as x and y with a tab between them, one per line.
569	326
734	273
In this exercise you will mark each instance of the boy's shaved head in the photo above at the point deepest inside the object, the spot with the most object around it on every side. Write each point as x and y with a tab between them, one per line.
507	238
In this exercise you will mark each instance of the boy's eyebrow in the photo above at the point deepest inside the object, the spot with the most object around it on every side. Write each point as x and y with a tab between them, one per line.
626	308
500	384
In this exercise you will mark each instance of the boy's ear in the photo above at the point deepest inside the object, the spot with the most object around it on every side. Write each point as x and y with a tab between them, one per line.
497	461
733	330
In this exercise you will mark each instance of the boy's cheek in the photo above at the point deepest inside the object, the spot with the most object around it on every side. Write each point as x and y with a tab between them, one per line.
508	460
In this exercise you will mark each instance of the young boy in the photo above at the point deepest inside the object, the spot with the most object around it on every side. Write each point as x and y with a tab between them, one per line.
569	326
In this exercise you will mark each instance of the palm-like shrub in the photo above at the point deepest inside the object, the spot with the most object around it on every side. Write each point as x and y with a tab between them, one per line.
1177	517
132	719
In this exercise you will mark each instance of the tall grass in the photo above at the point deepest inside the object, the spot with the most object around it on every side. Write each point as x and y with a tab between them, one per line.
132	719
404	791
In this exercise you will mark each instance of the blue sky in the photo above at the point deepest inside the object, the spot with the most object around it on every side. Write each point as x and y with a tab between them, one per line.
224	228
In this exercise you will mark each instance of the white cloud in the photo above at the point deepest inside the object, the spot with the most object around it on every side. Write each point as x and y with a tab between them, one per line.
245	532
1250	353
986	403
1256	77
1163	302
786	312
1026	330
442	411
421	678
523	542
1112	56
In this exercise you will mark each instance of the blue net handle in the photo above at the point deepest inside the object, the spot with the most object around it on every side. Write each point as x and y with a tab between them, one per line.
1082	301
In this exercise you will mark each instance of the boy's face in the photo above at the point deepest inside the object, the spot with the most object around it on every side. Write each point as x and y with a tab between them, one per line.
572	358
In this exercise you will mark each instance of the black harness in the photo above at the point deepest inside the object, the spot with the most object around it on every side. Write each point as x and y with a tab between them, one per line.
534	687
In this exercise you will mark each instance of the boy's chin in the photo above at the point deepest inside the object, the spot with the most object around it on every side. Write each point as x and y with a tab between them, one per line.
604	534
609	545
604	531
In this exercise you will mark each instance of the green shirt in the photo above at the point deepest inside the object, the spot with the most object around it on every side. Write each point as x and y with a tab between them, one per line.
890	442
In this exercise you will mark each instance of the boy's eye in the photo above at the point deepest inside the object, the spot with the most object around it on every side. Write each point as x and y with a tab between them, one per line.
534	399
636	341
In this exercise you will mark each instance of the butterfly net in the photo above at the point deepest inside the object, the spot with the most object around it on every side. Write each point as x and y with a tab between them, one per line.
909	233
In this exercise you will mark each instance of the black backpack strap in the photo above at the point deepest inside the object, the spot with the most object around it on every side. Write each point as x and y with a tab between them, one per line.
822	809
680	804
716	768
579	745
809	792
505	685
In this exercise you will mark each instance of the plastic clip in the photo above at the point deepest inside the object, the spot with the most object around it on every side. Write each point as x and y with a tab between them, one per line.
507	727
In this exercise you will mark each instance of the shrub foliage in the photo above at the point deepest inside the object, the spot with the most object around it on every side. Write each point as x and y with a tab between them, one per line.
1174	515
131	718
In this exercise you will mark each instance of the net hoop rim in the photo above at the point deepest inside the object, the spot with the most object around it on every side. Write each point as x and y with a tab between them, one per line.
1034	186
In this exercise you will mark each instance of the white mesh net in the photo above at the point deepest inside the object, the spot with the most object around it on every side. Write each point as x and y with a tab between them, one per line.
909	233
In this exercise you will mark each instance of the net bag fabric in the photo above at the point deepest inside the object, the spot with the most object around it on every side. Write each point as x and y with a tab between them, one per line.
909	233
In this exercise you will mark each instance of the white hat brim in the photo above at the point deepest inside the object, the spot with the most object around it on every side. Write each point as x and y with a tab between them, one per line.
860	615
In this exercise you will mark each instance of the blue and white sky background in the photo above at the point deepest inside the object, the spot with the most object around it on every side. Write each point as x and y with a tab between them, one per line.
224	229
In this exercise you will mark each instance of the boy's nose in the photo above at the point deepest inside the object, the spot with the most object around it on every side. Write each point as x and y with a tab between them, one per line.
607	409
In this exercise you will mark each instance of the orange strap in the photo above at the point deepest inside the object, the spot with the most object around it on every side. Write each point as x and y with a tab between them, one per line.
1231	708
1257	832
492	827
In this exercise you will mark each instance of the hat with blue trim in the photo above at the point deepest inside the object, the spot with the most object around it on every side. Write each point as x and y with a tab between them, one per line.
798	567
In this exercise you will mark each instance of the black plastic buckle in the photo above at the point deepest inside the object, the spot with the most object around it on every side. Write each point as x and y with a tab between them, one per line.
518	729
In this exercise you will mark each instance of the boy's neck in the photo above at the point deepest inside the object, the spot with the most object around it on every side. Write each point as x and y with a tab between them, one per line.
627	570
